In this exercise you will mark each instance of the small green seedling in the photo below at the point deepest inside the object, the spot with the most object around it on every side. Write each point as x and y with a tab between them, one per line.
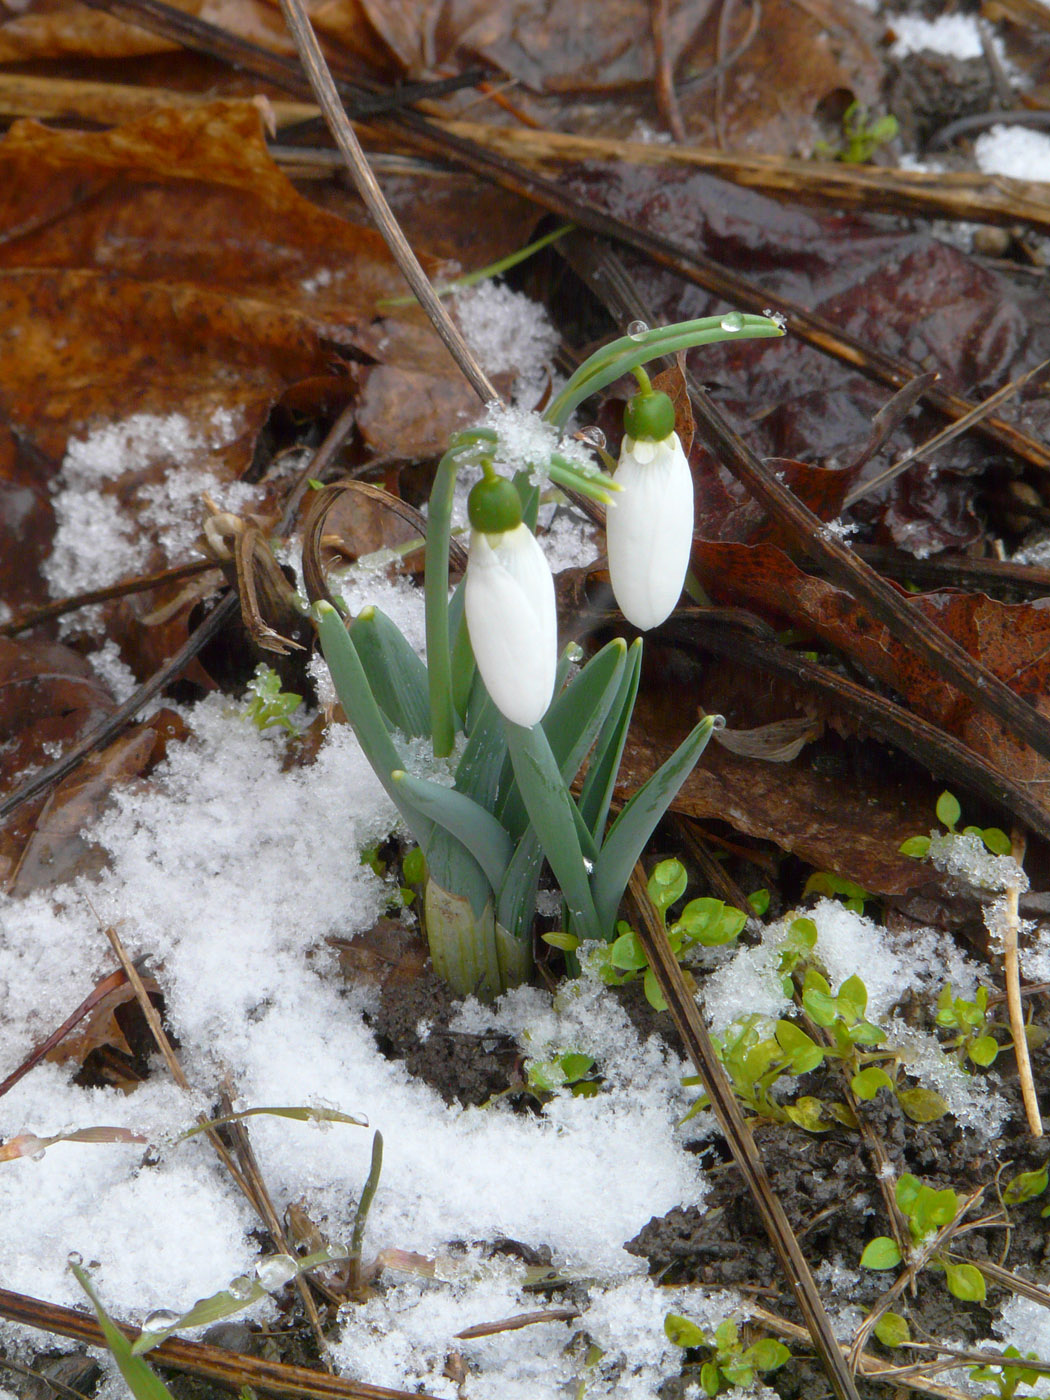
270	706
703	923
927	1211
976	1040
1026	1186
861	136
825	882
729	1362
569	1071
949	814
1006	1379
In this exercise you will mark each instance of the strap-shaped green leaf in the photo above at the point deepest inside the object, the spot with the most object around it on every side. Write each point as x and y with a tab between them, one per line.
462	936
451	866
572	722
141	1381
397	677
636	823
468	822
516	906
464	667
608	749
356	696
556	821
481	766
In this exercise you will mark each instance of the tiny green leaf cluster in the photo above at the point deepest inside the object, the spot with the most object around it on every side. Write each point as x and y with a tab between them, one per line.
949	814
1006	1379
729	1362
927	1211
270	706
757	1052
825	882
568	1071
861	136
703	923
976	1040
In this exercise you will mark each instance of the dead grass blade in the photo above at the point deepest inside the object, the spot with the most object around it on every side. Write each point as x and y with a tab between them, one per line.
694	1033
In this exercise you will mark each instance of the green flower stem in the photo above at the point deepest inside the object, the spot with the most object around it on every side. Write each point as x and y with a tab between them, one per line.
644	383
439	654
622	356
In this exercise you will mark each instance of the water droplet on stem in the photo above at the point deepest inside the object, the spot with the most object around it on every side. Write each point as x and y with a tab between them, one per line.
637	330
275	1271
732	321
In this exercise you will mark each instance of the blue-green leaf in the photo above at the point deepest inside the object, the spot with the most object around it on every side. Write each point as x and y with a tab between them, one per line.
556	820
636	823
460	815
397	676
608	750
355	694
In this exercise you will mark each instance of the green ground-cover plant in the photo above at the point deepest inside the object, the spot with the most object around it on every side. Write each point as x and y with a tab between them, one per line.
483	698
927	1212
861	136
703	923
949	813
758	1052
729	1362
269	705
1003	1381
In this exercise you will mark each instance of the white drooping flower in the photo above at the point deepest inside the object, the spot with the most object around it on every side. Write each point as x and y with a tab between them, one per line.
649	529
512	621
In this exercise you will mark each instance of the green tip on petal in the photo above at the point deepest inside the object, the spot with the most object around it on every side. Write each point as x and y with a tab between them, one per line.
494	506
649	417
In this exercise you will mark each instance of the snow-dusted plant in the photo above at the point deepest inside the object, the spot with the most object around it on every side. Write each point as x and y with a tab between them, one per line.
493	676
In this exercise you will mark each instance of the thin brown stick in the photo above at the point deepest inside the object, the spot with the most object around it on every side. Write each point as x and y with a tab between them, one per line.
141	583
1012	978
368	188
941	439
227	1368
695	1036
519	1320
870	1367
258	1198
666	98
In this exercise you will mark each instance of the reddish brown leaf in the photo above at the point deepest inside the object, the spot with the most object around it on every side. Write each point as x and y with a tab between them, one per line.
1012	640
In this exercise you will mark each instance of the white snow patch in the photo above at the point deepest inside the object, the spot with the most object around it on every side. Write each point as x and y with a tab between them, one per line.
104	534
1014	150
509	332
957	36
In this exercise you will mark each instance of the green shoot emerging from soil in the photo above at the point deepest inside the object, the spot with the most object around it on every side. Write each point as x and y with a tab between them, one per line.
729	1362
929	1213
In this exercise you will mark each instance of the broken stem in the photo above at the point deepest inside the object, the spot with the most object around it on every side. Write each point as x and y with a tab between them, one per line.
1012	977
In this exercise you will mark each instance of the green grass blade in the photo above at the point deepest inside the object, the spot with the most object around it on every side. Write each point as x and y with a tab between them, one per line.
141	1381
397	676
555	820
464	819
439	651
636	823
464	667
608	749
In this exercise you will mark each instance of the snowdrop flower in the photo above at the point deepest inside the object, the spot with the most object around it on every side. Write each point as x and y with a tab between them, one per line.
649	529
509	604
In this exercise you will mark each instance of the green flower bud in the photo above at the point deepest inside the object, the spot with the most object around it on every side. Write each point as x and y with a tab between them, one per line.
649	417
494	506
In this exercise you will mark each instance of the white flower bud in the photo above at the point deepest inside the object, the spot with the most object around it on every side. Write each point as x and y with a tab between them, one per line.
649	529
512	621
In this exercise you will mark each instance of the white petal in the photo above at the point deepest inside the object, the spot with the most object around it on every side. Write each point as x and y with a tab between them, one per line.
512	622
650	531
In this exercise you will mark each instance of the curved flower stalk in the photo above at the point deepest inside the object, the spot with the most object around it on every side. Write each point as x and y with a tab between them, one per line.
491	673
649	527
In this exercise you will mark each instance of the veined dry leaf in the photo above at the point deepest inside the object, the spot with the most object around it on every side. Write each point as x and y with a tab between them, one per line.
29	1145
102	1029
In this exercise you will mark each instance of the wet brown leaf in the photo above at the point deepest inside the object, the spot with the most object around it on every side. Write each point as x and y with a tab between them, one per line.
1011	639
48	695
107	1028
